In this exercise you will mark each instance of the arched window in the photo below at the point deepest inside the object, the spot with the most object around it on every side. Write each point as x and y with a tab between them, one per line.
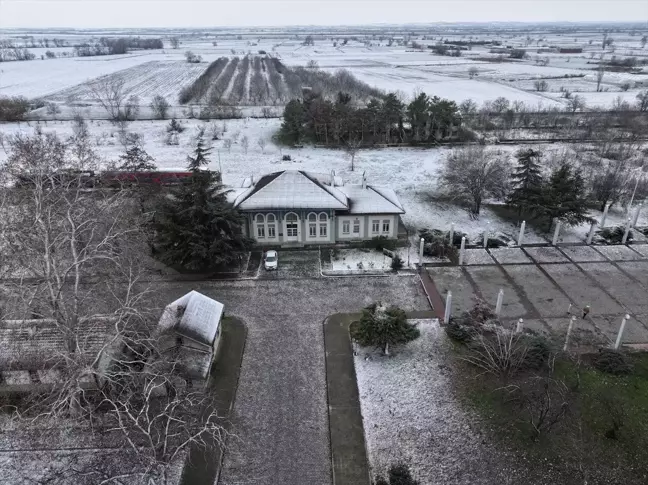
291	225
323	225
312	225
260	226
272	231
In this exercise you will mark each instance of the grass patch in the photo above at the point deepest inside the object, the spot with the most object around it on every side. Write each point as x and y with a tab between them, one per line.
595	427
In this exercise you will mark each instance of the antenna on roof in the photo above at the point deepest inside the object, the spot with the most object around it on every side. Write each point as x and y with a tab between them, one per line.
332	178
364	179
251	180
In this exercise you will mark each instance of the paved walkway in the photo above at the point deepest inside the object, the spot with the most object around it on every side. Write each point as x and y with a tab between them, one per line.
280	416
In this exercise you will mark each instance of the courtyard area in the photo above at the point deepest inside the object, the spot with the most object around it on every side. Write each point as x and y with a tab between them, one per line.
543	285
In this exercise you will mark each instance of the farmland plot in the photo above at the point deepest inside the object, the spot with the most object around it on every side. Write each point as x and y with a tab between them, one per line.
146	80
262	81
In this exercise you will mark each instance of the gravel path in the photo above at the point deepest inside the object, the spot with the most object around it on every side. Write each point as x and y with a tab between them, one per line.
280	414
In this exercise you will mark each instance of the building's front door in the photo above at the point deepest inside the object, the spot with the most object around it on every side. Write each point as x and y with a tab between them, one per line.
292	228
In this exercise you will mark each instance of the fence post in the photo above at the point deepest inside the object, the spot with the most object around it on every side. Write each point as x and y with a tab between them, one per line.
485	239
554	241
462	251
627	232
620	334
421	247
521	235
636	215
451	234
590	234
569	331
498	305
518	327
605	213
448	308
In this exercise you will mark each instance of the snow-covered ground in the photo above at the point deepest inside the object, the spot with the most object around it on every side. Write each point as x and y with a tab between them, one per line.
411	416
412	172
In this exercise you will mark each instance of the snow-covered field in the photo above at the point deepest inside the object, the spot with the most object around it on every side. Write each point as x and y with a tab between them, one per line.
411	416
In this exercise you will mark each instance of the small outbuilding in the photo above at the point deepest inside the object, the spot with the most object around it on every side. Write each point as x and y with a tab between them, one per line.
190	329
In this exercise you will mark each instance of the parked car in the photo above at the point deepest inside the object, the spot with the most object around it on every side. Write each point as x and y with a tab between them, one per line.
270	260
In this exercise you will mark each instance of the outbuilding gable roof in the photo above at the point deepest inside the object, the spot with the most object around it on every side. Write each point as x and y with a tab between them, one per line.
291	189
194	316
372	200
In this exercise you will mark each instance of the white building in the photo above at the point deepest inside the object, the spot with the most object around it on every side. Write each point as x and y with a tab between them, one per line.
297	208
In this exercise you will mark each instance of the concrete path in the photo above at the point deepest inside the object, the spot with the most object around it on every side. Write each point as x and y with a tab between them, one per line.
280	415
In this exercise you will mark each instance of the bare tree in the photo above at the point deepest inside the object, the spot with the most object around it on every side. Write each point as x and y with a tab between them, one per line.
312	65
110	93
175	42
576	103
475	173
160	107
227	144
642	101
600	72
262	144
351	148
473	71
540	85
245	143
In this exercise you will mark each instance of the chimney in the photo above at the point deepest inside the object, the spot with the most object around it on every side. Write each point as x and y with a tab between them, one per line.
251	180
364	180
332	178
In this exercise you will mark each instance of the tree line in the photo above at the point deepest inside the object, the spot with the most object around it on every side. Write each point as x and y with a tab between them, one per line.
382	120
108	46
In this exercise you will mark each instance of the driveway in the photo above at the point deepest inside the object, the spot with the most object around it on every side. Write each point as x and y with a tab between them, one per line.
294	264
280	414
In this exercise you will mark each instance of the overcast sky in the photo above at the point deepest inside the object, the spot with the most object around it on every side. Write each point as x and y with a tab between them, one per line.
208	13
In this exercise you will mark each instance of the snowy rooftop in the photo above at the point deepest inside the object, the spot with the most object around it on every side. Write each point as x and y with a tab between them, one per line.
372	200
296	189
194	316
290	189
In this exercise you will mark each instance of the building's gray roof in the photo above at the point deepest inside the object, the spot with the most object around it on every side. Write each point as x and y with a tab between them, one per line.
372	200
194	316
291	189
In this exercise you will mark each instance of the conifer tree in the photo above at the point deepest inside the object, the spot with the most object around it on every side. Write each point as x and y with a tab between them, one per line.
136	160
381	327
564	198
526	183
197	228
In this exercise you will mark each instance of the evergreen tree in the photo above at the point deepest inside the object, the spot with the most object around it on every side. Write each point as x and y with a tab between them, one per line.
292	128
196	227
136	160
526	183
398	475
564	198
381	327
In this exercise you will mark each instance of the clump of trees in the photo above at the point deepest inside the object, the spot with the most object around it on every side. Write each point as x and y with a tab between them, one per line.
160	107
193	58
196	227
382	120
13	108
121	45
381	326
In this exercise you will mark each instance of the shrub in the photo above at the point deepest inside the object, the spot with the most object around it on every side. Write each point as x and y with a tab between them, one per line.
396	263
13	108
175	127
399	474
517	54
458	332
612	362
537	354
286	158
382	326
381	242
612	235
481	313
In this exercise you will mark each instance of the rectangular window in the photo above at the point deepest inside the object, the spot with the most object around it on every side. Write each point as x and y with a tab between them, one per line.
345	227
271	230
323	230
260	231
375	226
356	227
386	225
312	230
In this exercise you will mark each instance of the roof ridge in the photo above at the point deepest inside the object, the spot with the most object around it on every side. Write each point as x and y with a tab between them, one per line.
321	186
258	186
386	198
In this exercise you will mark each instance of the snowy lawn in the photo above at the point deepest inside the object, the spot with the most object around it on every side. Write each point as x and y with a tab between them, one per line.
410	414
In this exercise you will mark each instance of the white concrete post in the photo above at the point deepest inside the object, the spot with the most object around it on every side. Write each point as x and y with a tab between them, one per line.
521	235
462	251
451	233
620	335
569	331
590	234
421	247
569	309
498	305
605	213
519	326
448	308
485	239
627	232
636	215
554	241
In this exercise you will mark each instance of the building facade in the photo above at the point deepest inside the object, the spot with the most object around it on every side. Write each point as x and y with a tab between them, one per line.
301	208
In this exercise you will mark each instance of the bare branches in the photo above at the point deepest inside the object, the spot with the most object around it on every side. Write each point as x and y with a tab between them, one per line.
110	93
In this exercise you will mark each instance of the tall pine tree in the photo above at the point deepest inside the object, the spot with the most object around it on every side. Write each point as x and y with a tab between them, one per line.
196	227
564	197
526	183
